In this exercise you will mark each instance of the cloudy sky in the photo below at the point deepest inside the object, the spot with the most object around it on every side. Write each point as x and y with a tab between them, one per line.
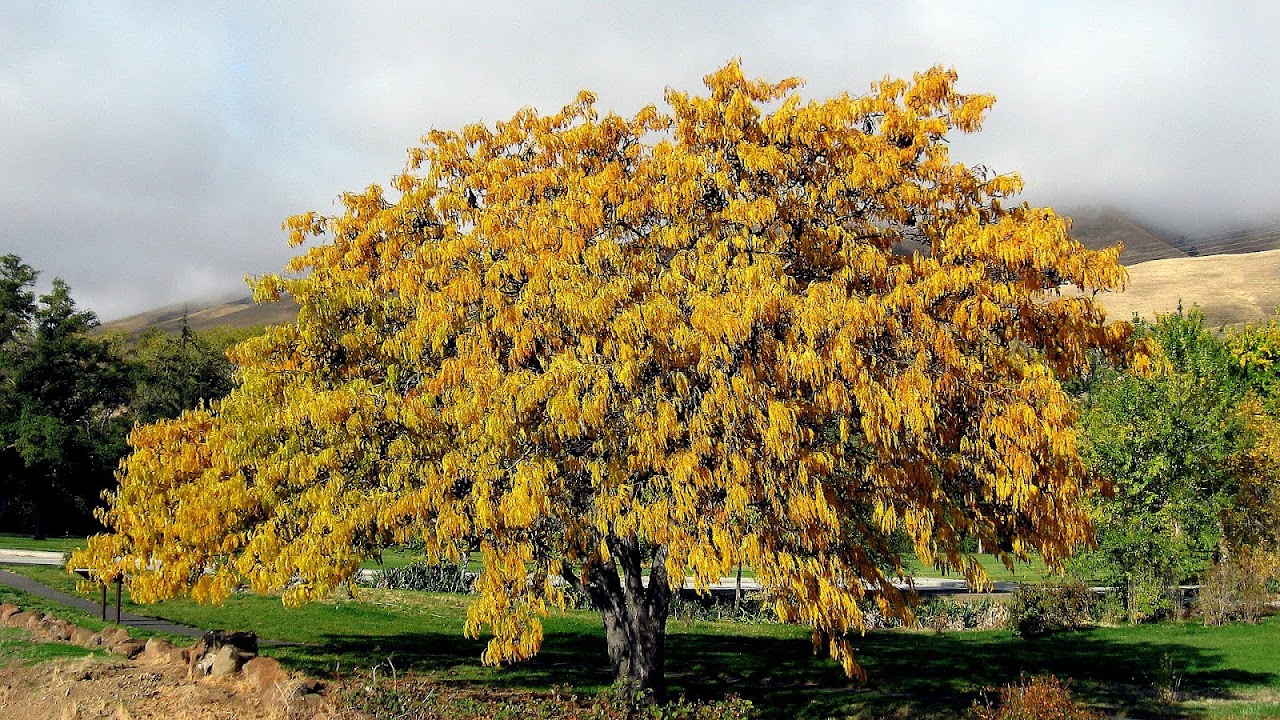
150	151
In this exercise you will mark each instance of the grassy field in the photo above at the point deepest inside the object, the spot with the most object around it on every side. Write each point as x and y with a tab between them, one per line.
10	541
17	646
1033	571
1213	672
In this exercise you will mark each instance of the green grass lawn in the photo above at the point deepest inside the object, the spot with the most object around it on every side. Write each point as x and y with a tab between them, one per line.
1033	571
10	541
16	646
1216	672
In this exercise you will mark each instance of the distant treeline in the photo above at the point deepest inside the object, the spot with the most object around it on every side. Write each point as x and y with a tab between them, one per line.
69	397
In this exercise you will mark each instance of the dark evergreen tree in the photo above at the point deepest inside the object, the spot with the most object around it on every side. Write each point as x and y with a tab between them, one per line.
64	414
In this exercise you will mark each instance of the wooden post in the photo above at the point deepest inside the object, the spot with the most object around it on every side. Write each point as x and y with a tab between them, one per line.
104	602
119	585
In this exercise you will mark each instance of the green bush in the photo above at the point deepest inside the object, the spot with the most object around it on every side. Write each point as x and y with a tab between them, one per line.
949	614
1041	609
752	610
446	577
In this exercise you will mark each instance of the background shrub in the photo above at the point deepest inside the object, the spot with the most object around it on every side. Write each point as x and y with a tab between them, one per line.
1041	609
446	577
1238	588
1043	697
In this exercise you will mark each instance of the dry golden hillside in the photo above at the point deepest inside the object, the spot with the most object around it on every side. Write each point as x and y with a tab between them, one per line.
235	314
1229	289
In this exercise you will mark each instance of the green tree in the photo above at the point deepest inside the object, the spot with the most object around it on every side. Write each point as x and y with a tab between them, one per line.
1171	445
180	371
63	416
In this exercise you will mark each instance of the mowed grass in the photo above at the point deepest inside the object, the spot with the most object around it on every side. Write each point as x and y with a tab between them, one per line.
1035	570
10	541
1231	671
16	646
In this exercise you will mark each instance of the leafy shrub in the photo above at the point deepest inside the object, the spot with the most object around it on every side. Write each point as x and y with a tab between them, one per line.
754	609
446	577
1237	588
1042	609
948	614
1043	697
420	700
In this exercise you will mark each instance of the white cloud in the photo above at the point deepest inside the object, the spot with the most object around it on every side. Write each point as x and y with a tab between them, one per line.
150	152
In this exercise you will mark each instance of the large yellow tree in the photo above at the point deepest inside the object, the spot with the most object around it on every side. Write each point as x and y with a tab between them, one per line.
625	354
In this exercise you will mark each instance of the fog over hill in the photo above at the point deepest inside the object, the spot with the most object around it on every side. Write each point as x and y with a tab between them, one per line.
1208	270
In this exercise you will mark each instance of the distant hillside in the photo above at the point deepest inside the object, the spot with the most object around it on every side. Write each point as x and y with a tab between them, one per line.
1229	289
237	313
1103	228
1233	242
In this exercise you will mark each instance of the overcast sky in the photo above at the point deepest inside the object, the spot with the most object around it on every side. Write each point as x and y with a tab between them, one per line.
150	151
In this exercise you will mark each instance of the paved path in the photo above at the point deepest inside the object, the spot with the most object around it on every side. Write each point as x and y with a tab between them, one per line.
30	557
27	585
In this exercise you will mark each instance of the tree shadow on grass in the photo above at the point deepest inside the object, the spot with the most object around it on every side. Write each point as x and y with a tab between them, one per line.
576	659
940	675
910	675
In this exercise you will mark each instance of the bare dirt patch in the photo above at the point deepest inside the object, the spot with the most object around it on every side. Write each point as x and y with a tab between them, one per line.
113	688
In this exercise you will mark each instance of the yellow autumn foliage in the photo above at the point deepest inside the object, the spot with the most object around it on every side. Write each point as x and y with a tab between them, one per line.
748	328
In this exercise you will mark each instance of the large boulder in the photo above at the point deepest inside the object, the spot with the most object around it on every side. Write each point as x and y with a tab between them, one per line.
226	660
114	635
129	648
22	619
264	675
159	652
85	637
221	653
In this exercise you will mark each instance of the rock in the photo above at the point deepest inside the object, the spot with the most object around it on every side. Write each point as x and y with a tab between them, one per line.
35	623
129	648
203	656
114	635
225	661
158	651
60	629
8	609
20	619
264	674
245	642
85	637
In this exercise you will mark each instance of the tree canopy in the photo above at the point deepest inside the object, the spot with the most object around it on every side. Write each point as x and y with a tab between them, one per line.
619	352
61	398
1192	456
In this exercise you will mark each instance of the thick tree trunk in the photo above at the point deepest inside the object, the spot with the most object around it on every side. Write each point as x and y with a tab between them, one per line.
634	609
637	650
